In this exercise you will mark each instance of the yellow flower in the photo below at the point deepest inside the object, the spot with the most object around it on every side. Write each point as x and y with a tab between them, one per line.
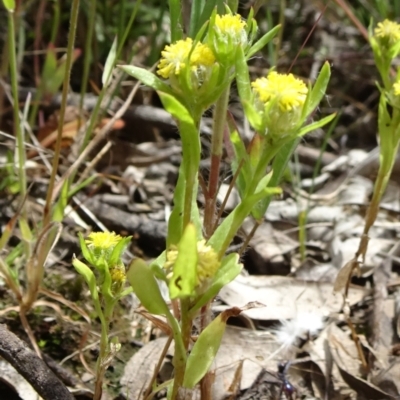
207	261
388	32
118	274
175	58
103	240
172	255
231	25
288	91
396	88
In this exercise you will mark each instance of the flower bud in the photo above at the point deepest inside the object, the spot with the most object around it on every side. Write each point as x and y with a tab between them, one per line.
227	34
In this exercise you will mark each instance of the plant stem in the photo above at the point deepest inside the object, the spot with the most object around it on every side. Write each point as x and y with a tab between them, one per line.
180	346
219	121
100	370
104	353
14	88
88	53
379	188
68	65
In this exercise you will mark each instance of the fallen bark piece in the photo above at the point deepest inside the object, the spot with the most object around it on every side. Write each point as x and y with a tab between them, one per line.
31	367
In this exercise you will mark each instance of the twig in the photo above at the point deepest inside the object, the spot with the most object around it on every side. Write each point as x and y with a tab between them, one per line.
31	367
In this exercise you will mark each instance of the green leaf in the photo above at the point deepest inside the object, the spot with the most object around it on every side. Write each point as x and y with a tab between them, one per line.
253	116
205	349
145	286
146	77
88	275
319	89
263	183
315	125
175	12
201	12
227	272
106	286
184	277
157	266
226	231
61	204
279	166
261	43
175	222
187	181
9	5
242	77
115	258
109	65
87	254
241	159
52	81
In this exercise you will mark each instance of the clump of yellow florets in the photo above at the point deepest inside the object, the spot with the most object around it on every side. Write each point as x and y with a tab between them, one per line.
284	89
207	261
103	240
387	32
175	58
230	25
396	88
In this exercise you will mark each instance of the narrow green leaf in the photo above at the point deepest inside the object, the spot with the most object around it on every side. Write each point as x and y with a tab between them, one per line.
205	349
85	250
175	222
226	231
253	116
191	159
241	158
184	277
228	271
109	65
319	88
145	286
261	43
175	12
279	166
88	275
263	183
242	77
116	254
315	125
146	77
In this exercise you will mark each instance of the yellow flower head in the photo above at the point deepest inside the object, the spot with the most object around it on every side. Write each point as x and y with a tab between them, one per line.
172	255
175	58
396	88
103	240
230	25
288	91
207	261
118	274
388	32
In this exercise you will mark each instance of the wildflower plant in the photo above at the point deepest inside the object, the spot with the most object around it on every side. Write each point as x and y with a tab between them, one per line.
105	275
385	44
194	74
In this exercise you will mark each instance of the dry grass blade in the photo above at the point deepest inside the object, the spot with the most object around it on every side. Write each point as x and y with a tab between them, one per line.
8	229
344	275
35	266
69	304
11	282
